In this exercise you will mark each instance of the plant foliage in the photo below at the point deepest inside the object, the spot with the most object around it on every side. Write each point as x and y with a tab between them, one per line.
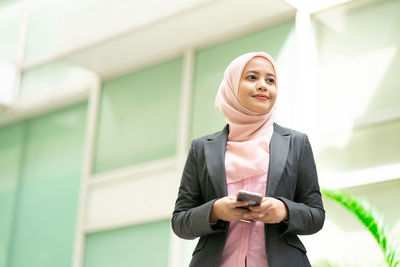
371	219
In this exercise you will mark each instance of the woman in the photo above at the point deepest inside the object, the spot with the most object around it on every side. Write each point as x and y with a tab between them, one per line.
255	154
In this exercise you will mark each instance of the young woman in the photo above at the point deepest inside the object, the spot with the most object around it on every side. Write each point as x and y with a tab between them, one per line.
255	154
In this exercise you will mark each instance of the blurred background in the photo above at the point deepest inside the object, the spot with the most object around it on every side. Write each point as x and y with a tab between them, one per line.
100	99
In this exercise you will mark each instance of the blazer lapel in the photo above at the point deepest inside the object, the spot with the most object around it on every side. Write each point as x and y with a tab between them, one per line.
279	148
214	150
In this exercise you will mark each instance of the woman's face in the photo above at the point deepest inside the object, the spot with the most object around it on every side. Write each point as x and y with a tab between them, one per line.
257	86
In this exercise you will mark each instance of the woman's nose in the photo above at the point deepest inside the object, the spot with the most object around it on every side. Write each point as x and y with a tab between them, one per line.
262	85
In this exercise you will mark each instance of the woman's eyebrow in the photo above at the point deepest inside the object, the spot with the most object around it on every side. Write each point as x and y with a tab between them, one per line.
256	72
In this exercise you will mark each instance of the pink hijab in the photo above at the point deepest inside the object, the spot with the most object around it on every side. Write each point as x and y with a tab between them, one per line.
247	149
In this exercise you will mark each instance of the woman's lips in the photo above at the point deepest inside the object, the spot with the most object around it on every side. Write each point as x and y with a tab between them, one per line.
261	97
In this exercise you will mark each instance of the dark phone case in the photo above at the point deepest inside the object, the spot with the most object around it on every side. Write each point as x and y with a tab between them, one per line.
253	198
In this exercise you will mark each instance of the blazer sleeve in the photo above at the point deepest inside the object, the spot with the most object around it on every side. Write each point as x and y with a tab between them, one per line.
191	216
306	212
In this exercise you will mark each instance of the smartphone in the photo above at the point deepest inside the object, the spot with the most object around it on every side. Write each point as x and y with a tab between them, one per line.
253	198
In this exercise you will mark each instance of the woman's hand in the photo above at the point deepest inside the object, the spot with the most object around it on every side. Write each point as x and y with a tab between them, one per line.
271	210
226	209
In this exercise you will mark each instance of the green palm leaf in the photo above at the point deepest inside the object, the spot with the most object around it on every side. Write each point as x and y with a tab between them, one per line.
371	219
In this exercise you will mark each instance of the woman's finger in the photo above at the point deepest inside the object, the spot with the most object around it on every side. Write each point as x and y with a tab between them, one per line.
240	203
264	205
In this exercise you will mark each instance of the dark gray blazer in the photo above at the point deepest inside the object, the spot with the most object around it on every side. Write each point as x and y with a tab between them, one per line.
292	178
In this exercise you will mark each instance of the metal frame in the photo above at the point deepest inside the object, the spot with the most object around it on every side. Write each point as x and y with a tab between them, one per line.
175	249
89	148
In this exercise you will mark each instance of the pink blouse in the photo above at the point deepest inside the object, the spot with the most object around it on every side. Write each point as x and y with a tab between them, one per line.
246	241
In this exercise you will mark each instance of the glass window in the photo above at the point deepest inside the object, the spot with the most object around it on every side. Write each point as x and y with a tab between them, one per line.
357	76
361	148
10	158
46	207
138	245
139	116
359	59
211	63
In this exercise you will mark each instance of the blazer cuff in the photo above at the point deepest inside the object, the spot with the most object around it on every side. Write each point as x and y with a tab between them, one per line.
219	226
286	222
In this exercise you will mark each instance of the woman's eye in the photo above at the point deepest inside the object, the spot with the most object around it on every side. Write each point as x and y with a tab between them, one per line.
251	77
270	80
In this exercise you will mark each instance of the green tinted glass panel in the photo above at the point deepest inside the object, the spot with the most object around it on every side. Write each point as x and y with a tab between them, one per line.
359	60
361	148
58	75
49	190
210	66
10	155
10	21
139	245
139	116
